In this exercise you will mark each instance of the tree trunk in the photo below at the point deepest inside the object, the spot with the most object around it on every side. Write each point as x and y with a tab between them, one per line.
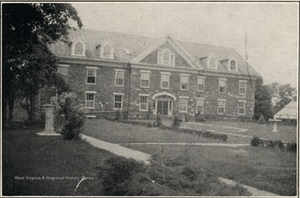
10	108
32	113
4	110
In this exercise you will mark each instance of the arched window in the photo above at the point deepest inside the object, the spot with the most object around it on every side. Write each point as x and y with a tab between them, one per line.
107	51
78	49
166	58
233	65
213	62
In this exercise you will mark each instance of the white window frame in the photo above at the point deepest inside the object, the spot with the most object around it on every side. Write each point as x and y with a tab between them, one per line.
181	99
111	51
244	107
160	57
245	83
65	68
184	76
143	74
73	50
94	100
140	103
219	87
116	72
229	65
114	100
196	105
94	69
161	79
202	78
219	106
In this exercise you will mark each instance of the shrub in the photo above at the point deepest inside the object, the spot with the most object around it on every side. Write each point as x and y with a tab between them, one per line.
117	115
73	119
223	137
176	121
157	120
255	141
149	125
291	147
207	134
69	119
279	144
200	118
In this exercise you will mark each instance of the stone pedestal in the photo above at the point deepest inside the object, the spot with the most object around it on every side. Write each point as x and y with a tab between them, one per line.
49	121
275	121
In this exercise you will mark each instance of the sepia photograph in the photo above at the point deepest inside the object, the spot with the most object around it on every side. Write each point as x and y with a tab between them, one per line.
150	99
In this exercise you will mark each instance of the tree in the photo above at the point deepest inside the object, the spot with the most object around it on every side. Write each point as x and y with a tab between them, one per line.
282	95
263	100
28	64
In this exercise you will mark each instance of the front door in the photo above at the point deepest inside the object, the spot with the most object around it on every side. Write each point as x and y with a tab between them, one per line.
162	107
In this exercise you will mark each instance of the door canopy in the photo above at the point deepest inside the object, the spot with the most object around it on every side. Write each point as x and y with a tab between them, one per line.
163	94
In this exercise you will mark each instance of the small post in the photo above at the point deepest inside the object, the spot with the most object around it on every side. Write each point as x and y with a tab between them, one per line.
275	121
49	121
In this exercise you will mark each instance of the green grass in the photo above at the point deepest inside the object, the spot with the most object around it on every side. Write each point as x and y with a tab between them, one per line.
27	155
264	168
286	132
116	132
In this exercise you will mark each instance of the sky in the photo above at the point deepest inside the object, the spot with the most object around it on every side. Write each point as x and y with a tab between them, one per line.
271	28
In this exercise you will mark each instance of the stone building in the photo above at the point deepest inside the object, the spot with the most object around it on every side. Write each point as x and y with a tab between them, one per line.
146	76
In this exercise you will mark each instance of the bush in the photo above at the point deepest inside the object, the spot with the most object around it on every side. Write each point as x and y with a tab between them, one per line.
255	141
291	147
149	125
157	120
117	115
223	137
176	121
73	119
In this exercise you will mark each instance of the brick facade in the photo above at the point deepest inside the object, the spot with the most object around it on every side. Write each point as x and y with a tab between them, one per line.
97	89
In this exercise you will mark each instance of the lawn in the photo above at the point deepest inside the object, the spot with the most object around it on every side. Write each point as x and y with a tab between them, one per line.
286	132
264	168
116	132
39	165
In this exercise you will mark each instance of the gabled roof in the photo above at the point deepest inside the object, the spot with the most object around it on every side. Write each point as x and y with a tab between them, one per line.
137	45
288	112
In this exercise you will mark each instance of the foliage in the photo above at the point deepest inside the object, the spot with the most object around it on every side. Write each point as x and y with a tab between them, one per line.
157	120
117	115
263	100
176	121
28	64
69	119
282	95
255	141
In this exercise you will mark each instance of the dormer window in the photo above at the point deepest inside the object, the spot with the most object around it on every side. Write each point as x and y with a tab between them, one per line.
232	65
213	62
107	51
78	47
166	57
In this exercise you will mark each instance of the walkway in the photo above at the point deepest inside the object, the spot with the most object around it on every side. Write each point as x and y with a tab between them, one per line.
117	149
189	144
253	191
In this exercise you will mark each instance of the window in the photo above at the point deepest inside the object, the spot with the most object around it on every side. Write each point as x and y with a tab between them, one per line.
242	87
199	106
201	84
79	49
213	64
90	100
118	102
222	85
183	104
184	82
166	57
119	78
164	84
242	105
63	70
91	75
145	79
143	103
107	51
221	106
233	65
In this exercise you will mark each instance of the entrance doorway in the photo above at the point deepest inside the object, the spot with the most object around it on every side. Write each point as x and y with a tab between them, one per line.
164	105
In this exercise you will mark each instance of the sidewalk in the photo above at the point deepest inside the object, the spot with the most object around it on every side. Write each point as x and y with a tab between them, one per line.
189	144
253	191
117	149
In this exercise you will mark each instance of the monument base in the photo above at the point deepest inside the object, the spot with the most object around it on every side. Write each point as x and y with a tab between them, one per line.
48	133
